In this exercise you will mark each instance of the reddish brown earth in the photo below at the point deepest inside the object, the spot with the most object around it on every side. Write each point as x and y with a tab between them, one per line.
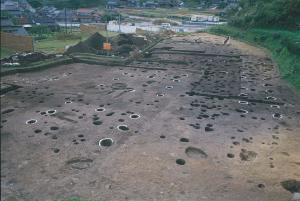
208	104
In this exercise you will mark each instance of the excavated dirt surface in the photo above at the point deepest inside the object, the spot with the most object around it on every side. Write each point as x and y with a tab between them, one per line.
194	121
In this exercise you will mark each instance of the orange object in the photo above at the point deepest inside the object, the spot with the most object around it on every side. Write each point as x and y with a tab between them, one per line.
106	46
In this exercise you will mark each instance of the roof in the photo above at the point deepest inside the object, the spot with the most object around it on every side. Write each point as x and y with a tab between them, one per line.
25	20
10	6
85	17
44	20
85	10
17	30
69	13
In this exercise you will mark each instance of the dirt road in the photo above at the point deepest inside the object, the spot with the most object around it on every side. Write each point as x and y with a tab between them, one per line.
193	121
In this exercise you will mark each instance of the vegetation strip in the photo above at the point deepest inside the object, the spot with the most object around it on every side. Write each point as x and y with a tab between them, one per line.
282	45
200	54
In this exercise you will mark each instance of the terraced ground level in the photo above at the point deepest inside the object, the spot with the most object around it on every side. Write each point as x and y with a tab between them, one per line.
195	120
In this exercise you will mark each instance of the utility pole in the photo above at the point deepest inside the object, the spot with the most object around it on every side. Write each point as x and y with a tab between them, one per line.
66	21
71	21
119	23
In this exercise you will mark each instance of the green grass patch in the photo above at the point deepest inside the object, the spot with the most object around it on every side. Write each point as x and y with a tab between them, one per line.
166	12
284	47
57	43
6	52
52	45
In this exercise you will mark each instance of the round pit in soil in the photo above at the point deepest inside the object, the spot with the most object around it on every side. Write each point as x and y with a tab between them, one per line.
106	142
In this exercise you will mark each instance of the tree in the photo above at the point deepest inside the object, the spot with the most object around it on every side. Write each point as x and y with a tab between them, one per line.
270	13
35	3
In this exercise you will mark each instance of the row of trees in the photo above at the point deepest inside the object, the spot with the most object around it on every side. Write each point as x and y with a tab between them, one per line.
266	13
74	4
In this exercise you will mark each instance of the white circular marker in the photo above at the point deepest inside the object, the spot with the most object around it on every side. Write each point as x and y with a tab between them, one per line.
51	112
31	121
100	109
244	102
106	142
135	116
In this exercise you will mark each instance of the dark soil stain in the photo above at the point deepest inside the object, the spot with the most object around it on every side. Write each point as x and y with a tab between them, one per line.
196	153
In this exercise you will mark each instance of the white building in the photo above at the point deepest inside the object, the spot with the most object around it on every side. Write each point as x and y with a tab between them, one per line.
204	18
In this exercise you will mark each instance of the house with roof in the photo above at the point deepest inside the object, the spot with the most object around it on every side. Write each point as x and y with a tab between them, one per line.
86	15
26	6
8	26
66	16
26	20
168	3
12	7
49	11
46	21
111	4
150	4
133	3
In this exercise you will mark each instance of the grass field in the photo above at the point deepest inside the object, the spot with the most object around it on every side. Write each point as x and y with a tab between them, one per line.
163	12
284	46
54	45
6	52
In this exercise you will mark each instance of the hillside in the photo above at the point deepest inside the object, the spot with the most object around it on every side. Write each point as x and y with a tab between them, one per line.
266	13
273	24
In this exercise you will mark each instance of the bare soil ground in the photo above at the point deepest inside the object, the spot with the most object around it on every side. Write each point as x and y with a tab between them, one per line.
213	123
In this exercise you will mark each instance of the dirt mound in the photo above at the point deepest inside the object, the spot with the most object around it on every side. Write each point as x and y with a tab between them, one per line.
122	44
81	47
129	39
291	185
95	41
91	45
166	33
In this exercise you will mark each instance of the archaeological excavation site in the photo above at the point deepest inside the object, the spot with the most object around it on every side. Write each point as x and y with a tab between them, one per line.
179	117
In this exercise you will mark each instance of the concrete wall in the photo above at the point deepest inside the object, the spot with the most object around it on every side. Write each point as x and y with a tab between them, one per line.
15	42
123	28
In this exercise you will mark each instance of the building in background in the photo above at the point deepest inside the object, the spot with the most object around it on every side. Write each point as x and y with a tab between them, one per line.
204	18
12	8
85	15
111	4
8	26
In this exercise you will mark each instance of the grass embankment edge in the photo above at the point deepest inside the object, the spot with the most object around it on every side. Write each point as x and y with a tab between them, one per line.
283	45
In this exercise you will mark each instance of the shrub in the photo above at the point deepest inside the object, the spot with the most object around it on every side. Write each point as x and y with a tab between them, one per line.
293	46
